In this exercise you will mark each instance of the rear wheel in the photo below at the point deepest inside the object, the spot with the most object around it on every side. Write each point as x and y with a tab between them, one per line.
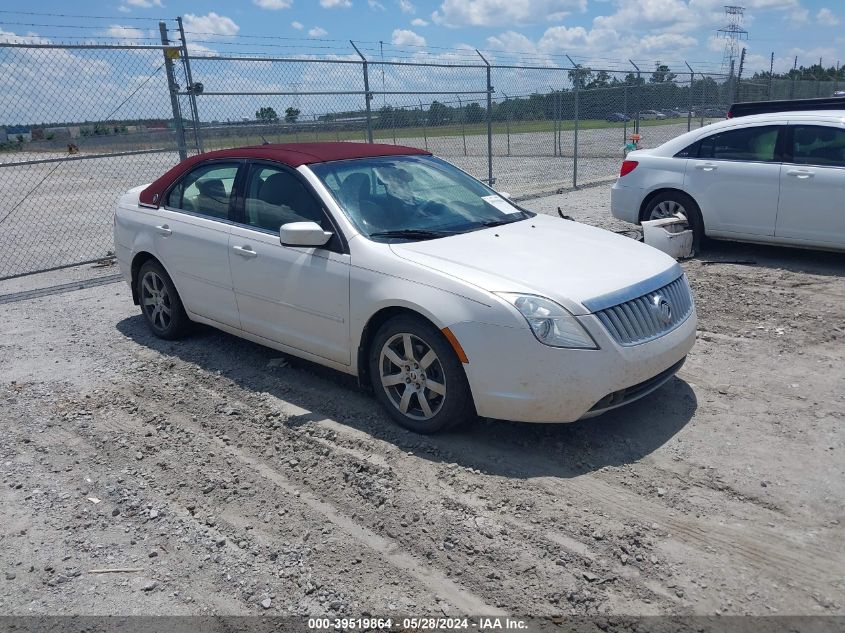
160	303
417	376
670	203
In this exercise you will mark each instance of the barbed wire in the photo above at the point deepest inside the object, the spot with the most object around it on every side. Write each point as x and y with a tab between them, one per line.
86	17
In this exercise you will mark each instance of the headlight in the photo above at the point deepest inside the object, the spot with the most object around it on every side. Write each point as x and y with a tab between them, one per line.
551	323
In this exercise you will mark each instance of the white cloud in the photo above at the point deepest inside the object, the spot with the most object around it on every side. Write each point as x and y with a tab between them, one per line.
124	33
418	22
457	13
124	9
375	5
297	25
666	41
333	4
211	24
512	42
825	16
145	4
317	31
273	5
799	15
406	37
406	6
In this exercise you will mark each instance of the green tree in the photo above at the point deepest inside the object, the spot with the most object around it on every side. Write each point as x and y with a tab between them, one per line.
291	115
661	74
474	113
438	114
580	76
266	115
600	80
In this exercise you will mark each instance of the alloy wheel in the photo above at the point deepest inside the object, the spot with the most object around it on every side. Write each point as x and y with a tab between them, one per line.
155	300
667	209
412	376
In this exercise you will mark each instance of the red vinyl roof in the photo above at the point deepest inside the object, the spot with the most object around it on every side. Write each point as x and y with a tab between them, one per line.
291	154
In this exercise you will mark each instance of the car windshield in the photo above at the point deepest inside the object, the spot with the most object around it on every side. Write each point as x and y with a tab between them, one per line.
413	197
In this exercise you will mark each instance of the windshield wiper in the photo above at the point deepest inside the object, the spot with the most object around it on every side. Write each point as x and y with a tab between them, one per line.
502	221
420	234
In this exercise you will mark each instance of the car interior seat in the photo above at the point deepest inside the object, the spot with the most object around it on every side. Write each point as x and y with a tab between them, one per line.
282	199
212	199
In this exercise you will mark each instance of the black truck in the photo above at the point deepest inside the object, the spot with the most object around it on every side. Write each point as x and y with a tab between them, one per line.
745	108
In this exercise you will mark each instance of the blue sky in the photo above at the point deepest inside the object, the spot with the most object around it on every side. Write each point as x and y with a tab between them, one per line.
601	33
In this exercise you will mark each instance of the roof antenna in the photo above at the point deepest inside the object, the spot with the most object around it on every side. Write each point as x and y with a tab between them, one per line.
264	141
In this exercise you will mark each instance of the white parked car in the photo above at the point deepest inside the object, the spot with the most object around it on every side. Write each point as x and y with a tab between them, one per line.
652	115
776	178
390	264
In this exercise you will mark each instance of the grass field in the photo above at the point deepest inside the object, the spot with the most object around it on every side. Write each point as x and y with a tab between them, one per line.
217	140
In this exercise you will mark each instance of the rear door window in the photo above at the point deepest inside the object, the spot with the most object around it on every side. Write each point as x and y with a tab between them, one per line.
206	190
820	145
756	144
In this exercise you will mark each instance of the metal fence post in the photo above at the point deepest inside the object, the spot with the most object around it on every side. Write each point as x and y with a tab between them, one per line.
624	114
424	124
575	136
689	101
169	54
192	87
463	128
368	96
637	92
508	124
490	179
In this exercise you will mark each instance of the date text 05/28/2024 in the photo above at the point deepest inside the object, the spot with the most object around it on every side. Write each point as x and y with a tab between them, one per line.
417	623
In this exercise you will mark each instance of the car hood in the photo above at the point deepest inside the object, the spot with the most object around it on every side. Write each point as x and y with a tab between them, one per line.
568	262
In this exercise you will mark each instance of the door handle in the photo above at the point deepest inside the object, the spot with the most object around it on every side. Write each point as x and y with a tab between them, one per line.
800	173
706	166
163	229
245	251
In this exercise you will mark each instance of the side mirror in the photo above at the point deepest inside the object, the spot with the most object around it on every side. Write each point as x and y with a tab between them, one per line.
303	234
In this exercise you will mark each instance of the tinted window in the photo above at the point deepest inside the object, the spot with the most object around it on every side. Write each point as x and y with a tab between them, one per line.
751	143
690	151
206	190
818	145
275	197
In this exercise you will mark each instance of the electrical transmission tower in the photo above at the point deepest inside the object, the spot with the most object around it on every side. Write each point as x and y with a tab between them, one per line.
734	33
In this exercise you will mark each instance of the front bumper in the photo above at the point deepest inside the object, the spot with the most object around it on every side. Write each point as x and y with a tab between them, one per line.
625	202
515	377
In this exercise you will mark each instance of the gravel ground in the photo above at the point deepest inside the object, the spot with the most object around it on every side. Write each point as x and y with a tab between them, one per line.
237	481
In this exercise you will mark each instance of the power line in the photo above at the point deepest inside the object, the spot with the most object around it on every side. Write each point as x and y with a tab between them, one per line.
87	17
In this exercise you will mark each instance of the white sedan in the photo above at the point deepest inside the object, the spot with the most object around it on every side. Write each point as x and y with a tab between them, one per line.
776	178
392	265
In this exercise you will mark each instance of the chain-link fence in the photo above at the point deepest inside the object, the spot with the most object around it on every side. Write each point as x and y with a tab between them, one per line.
80	125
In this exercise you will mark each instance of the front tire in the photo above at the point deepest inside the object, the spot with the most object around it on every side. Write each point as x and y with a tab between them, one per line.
417	376
669	203
160	303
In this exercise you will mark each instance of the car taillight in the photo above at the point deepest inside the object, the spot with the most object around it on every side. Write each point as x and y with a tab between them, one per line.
730	115
627	167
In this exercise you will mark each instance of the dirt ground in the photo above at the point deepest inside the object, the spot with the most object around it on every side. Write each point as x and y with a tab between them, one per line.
238	481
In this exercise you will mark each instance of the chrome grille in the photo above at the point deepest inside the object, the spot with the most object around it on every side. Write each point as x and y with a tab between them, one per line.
639	320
